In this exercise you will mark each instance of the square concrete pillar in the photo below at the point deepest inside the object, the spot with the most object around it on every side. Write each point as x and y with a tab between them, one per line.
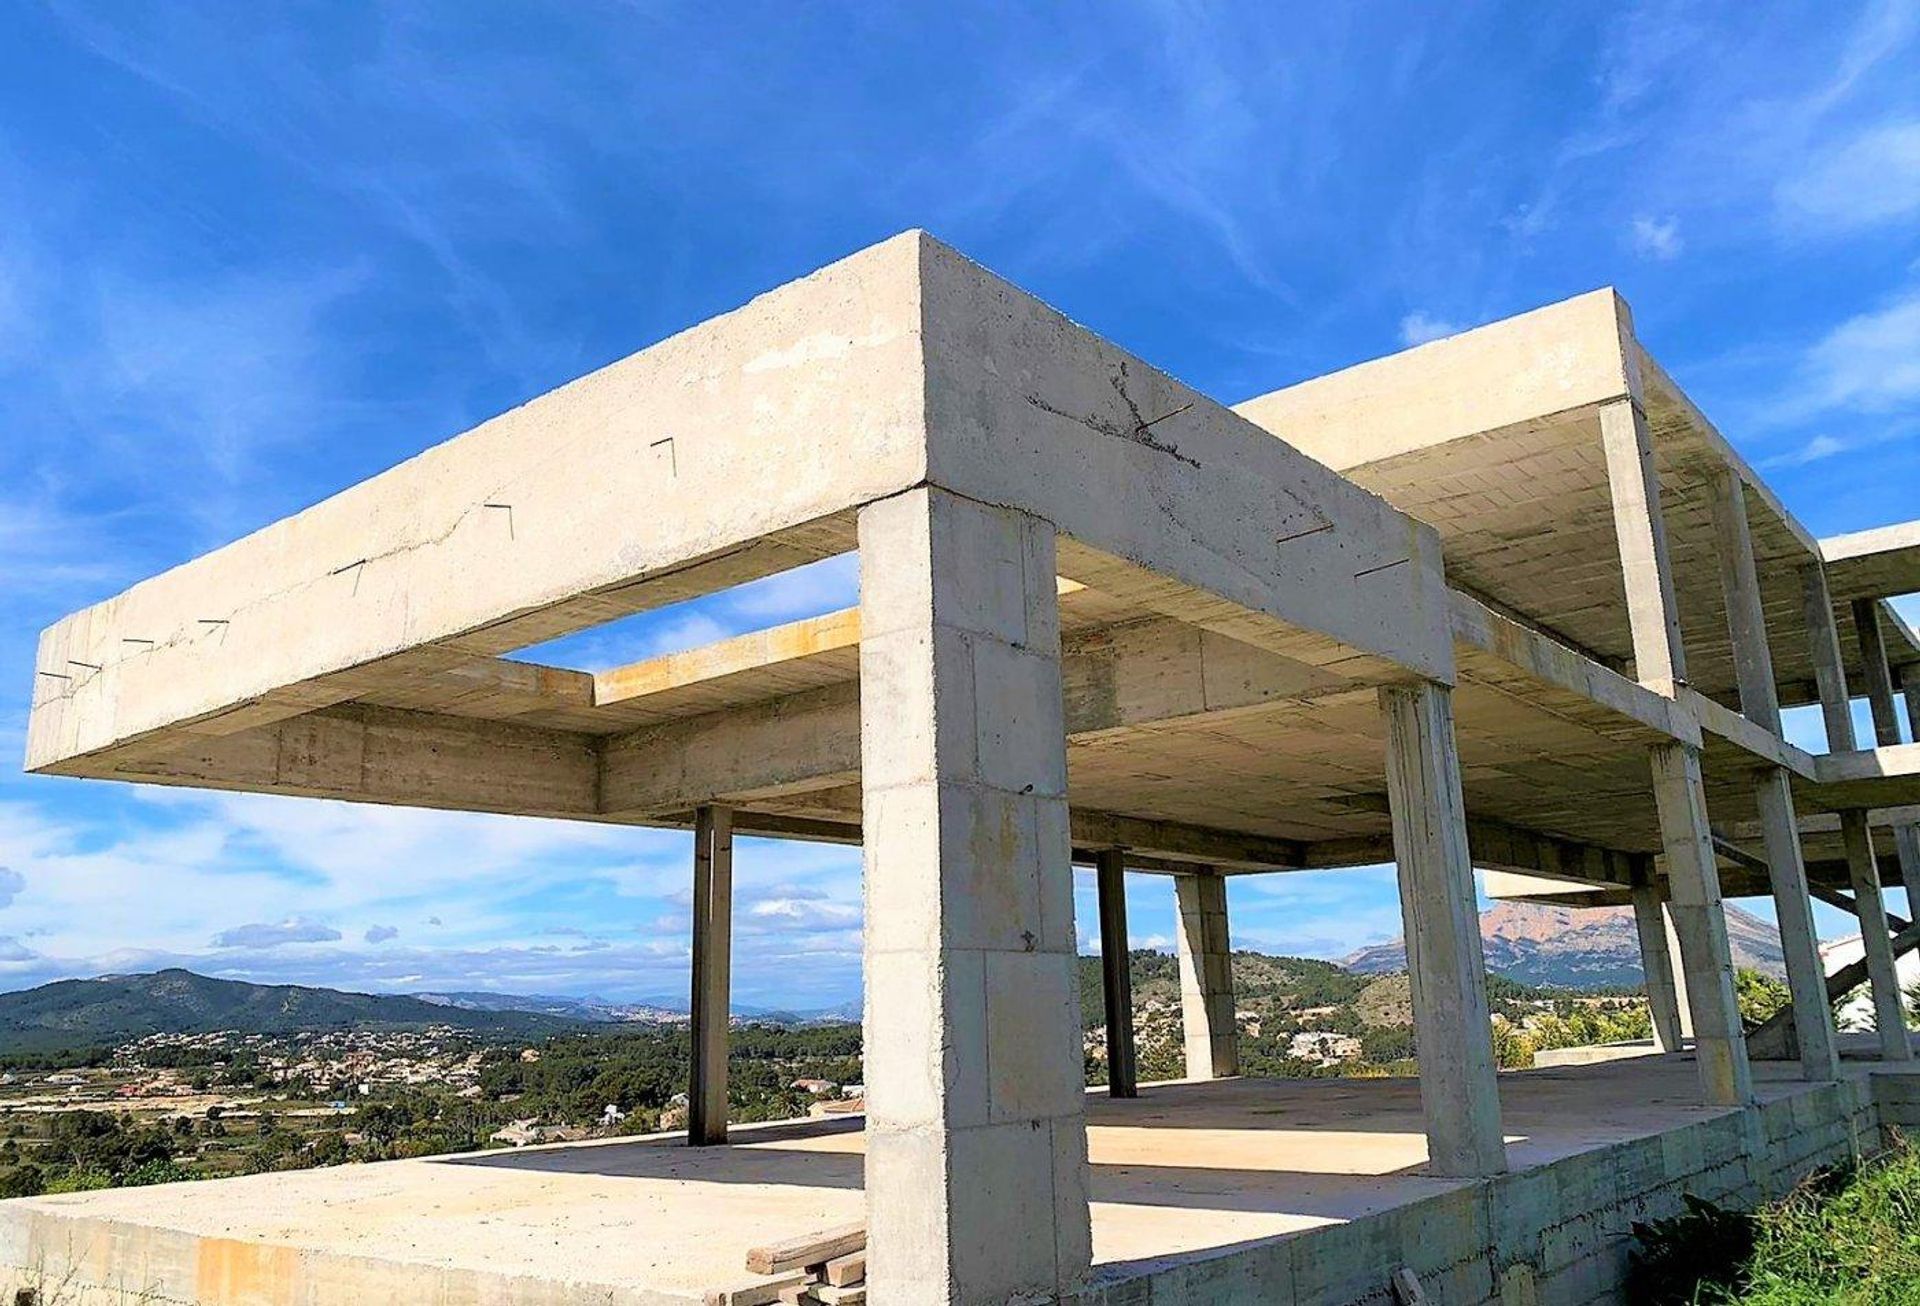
1116	972
1875	940
1659	659
1656	962
1700	923
1829	666
1459	1089
1206	977
1760	703
1679	971
1879	674
976	1139
1799	940
711	1005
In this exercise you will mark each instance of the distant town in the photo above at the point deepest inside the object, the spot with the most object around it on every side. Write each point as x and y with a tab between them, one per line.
100	1107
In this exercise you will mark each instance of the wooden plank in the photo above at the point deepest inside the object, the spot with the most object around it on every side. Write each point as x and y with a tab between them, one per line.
809	1249
844	1270
763	1293
854	1294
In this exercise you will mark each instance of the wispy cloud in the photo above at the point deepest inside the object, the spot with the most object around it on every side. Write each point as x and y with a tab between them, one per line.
1869	179
294	929
1418	327
1656	238
1870	362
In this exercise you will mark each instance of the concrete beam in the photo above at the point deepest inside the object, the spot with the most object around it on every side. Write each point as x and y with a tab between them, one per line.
1495	846
712	1004
1874	564
1700	924
382	755
1639	709
976	1170
1110	873
927	369
1205	949
1565	356
1458	1091
1735	728
1114	680
1163	497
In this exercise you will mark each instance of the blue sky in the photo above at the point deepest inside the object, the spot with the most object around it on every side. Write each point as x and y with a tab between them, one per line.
251	255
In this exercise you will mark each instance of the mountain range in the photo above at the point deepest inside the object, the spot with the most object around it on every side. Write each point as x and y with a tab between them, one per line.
1535	944
114	1008
1582	948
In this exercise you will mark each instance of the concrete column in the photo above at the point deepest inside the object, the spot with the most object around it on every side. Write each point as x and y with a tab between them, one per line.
1875	939
1680	998
1773	795
976	1167
1873	660
1700	922
1910	690
1886	722
1459	1090
1829	667
1799	939
1110	871
1663	999
1206	977
1659	661
711	1006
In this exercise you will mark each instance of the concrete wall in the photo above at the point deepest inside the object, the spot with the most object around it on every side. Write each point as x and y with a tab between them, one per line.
1551	1235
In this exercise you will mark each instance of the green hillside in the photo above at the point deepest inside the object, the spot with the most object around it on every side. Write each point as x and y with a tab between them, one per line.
114	1008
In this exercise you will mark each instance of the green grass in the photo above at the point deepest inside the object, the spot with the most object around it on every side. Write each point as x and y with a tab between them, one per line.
1859	1246
1846	1237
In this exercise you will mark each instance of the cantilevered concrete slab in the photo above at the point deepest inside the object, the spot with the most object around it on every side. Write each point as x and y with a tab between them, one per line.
1507	599
1874	564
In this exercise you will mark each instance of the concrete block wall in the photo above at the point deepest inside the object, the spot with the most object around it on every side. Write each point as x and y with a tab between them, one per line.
1552	1235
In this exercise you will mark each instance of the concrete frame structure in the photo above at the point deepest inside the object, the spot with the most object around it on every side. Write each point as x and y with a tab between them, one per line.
1506	601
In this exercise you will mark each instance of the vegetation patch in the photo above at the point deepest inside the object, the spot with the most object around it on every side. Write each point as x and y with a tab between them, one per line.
1848	1236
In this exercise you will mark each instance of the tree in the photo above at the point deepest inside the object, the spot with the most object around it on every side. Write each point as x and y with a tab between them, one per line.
1761	996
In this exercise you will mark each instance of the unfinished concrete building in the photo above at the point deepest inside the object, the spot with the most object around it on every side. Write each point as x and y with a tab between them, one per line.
1507	600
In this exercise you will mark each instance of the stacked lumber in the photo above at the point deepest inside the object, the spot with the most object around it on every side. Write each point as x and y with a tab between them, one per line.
828	1267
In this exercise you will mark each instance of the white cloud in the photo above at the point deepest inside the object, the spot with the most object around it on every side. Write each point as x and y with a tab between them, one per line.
1820	446
381	933
292	930
803	914
1870	179
1657	238
1870	362
11	885
1418	327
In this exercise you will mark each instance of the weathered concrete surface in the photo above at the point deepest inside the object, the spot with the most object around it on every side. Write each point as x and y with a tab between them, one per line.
1192	1184
1205	947
925	369
976	1166
1444	961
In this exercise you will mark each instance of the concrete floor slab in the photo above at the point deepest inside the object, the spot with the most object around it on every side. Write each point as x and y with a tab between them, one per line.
1185	1167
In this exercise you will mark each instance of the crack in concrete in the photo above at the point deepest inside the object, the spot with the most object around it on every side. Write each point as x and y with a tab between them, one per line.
1141	432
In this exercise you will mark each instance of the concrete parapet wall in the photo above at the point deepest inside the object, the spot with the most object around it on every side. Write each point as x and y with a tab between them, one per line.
1551	1235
